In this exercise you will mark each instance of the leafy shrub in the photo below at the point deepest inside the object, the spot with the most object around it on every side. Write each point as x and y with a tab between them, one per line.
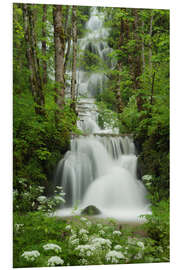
30	198
157	224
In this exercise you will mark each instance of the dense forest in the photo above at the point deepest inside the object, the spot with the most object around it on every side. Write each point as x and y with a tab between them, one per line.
134	97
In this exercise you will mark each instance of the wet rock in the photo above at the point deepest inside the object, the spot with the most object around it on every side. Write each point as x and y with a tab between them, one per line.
91	210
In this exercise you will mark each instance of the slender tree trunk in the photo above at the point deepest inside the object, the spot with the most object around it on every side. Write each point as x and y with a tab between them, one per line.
33	61
150	42
152	89
73	80
137	65
119	67
67	28
59	43
66	19
44	63
143	57
39	88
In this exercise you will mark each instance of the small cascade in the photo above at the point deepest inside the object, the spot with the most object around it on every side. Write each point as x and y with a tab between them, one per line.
89	82
101	167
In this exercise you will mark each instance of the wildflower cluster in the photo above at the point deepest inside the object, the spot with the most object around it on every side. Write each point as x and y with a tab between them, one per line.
50	204
101	243
85	250
55	260
30	256
18	227
114	256
53	247
118	247
117	233
147	179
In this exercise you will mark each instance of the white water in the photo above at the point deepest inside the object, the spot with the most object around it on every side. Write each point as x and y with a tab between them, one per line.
100	169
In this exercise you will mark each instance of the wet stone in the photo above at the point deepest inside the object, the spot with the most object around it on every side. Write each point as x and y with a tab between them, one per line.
91	210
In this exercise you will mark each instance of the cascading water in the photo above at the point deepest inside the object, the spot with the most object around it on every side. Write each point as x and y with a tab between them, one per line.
100	169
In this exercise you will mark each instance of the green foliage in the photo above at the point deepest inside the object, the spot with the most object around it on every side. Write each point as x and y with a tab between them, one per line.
36	230
107	118
157	226
29	197
81	241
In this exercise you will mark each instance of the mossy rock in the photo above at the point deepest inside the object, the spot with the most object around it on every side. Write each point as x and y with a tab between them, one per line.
91	210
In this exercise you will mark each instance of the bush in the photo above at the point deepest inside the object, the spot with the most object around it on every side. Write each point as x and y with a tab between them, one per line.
157	225
29	197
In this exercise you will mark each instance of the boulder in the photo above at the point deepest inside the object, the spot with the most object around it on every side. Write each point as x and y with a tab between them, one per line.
90	210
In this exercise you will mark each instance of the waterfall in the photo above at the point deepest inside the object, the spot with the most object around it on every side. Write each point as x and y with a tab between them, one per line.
100	169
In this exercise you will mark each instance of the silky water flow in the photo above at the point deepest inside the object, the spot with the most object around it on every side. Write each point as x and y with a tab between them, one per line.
101	168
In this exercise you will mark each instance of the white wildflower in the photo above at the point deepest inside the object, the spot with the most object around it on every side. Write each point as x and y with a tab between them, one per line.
83	231
117	233
74	242
73	236
54	247
30	255
101	232
18	227
140	244
147	177
55	260
85	250
58	187
42	199
68	228
101	242
114	256
58	199
41	189
118	247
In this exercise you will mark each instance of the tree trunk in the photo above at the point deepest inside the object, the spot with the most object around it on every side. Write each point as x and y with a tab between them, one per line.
143	57
59	43
137	65
73	80
67	28
33	61
150	43
119	68
44	63
152	89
